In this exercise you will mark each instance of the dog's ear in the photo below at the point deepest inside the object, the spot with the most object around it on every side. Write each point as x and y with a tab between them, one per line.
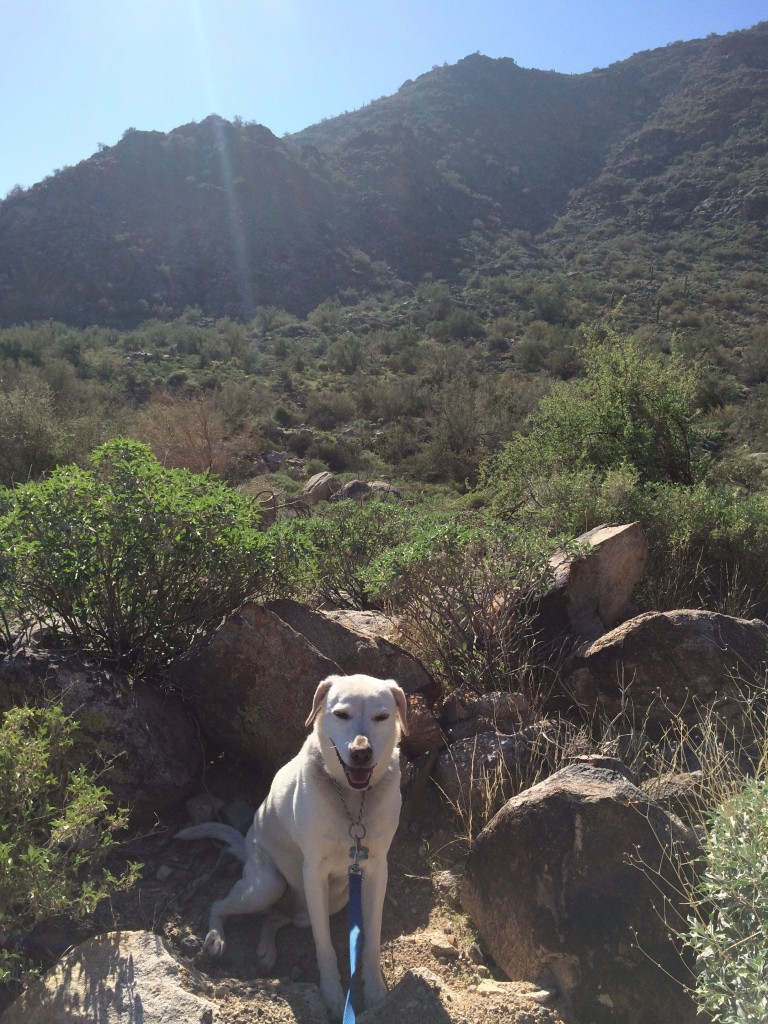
319	697
402	707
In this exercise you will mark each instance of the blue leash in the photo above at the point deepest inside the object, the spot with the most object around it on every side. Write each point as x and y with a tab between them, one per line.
355	941
357	853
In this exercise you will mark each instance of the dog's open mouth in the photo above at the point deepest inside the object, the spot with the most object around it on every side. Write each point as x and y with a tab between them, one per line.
358	778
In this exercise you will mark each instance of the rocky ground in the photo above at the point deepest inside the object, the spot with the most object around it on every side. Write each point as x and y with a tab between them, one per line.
433	965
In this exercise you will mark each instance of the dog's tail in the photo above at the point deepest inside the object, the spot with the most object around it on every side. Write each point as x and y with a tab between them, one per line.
215	830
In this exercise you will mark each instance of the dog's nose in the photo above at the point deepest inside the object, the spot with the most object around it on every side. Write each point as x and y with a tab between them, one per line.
360	750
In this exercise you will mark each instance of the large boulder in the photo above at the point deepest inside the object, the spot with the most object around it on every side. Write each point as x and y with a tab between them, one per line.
319	487
355	651
574	882
660	665
592	591
251	681
147	740
250	684
116	978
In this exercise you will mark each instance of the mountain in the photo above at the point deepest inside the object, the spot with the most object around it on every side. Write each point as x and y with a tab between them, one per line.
668	149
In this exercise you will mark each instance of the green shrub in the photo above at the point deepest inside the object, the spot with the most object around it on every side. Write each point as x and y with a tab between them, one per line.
632	410
344	540
729	935
463	597
56	827
127	559
708	545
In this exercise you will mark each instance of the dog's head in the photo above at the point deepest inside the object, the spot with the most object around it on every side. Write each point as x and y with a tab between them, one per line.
358	720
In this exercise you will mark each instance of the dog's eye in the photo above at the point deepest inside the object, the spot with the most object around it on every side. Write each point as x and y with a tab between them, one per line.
381	718
343	715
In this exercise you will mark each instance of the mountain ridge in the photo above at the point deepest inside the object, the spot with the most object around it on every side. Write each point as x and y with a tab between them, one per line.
432	180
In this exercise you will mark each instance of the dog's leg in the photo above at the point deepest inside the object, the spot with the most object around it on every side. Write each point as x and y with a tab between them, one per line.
266	951
316	895
374	890
260	886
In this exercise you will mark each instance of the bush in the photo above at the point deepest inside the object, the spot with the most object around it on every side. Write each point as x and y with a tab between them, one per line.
56	826
127	559
730	934
708	545
463	597
632	410
344	540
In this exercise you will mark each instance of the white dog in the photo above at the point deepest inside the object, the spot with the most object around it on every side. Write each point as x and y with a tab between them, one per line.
345	779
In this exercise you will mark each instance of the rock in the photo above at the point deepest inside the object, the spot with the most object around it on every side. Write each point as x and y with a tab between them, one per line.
454	710
351	490
682	793
319	488
369	622
418	995
250	685
443	947
472	773
493	712
274	460
353	651
564	887
659	665
115	978
146	739
384	489
592	592
251	681
203	807
447	884
238	813
603	761
424	732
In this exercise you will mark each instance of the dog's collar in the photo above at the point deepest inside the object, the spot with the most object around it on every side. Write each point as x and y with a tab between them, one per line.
348	768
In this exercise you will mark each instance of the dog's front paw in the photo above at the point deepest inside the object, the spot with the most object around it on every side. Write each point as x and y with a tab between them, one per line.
214	943
333	994
374	989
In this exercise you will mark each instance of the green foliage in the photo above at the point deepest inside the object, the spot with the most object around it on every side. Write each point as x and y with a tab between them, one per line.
344	540
632	409
462	595
33	437
730	934
708	543
56	826
128	559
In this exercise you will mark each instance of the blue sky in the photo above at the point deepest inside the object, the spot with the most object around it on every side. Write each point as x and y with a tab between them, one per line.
77	73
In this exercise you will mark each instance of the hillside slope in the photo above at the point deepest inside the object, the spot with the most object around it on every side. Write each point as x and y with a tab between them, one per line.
432	180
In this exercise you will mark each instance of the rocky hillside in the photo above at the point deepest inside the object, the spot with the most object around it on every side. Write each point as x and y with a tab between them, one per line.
668	148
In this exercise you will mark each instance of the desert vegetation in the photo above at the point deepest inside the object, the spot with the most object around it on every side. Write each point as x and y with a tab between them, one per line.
542	340
128	559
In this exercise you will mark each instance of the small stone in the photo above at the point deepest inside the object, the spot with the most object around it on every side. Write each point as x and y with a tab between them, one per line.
239	814
443	948
540	995
203	808
476	954
163	873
